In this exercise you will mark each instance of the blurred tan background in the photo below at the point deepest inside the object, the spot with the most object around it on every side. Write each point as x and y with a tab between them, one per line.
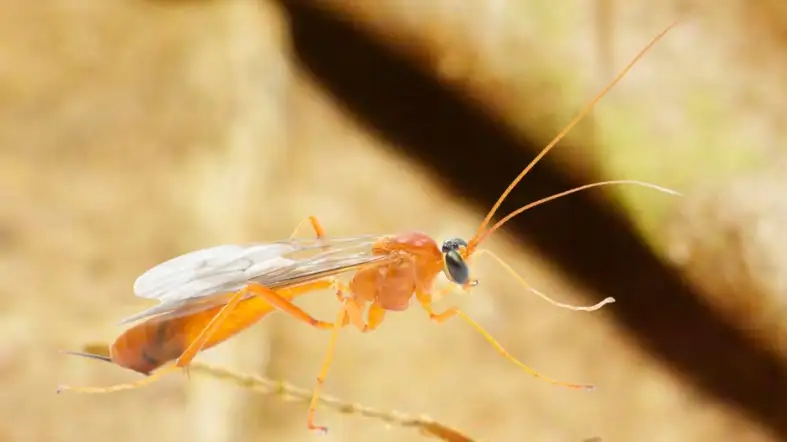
132	131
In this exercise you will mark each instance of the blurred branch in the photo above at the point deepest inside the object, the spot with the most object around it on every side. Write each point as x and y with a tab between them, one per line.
286	390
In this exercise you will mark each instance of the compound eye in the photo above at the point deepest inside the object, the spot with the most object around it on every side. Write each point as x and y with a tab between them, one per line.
456	268
454	244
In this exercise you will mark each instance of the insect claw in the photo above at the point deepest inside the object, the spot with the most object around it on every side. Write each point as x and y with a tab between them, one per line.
470	284
322	431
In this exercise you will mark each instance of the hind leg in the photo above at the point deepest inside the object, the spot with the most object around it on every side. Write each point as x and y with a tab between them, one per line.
185	358
214	326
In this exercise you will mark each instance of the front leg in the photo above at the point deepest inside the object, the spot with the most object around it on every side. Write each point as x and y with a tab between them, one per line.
425	299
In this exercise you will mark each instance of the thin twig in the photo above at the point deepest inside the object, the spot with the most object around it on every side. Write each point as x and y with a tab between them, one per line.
286	390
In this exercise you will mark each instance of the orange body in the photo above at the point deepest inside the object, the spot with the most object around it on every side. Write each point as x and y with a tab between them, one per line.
159	340
392	286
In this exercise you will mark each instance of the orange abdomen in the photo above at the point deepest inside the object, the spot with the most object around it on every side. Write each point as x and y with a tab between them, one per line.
159	340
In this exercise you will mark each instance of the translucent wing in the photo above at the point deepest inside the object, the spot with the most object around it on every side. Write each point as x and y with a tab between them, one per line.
203	279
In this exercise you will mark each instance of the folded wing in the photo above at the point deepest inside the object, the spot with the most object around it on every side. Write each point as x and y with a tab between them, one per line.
206	278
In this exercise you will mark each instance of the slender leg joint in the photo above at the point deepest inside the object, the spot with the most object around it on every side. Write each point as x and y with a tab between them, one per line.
324	368
426	302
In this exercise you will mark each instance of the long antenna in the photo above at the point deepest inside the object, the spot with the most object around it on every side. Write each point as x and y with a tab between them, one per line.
474	242
569	192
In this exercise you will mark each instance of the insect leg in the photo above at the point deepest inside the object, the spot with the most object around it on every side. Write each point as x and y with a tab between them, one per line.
524	283
268	295
208	331
425	299
318	230
118	387
181	362
354	309
288	307
324	369
376	316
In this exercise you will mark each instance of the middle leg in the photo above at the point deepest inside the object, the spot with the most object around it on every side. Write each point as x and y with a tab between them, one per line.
350	312
341	318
